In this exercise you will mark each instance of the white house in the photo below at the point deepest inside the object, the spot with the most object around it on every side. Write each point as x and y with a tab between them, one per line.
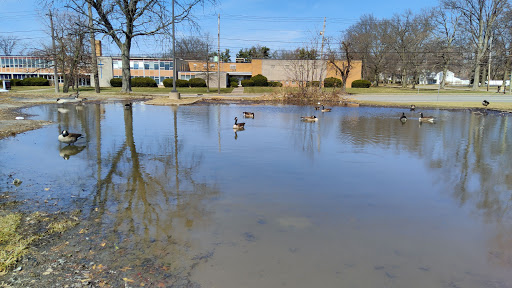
450	79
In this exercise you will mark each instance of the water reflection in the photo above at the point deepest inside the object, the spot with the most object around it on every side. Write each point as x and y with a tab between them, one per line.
355	193
70	150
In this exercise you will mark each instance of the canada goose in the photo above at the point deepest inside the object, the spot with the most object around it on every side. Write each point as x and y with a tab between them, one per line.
413	107
68	138
238	125
309	118
403	118
485	103
70	100
429	119
249	114
326	109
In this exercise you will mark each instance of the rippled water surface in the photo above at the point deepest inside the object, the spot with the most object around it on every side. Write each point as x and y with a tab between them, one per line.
357	199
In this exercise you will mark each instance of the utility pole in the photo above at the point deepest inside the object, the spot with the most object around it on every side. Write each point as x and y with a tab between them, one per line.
489	70
321	57
55	74
174	93
207	64
218	54
93	52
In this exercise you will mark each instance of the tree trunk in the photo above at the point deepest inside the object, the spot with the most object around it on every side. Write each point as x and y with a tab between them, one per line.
404	78
125	59
443	80
65	87
94	60
484	76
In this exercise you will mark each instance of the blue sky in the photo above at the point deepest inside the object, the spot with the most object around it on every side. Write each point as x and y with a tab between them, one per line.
276	24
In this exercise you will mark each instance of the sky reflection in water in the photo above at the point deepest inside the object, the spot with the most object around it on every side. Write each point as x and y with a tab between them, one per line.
354	200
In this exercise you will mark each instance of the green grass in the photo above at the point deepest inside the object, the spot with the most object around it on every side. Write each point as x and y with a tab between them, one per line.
420	89
12	245
261	89
389	89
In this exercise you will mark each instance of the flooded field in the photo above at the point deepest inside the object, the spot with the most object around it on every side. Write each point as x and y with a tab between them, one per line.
355	199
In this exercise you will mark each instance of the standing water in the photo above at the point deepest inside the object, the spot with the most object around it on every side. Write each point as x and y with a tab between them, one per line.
355	199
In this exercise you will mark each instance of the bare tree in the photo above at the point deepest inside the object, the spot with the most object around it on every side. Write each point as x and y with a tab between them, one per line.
448	23
191	48
303	67
8	44
368	38
341	59
480	17
124	20
421	32
72	58
502	46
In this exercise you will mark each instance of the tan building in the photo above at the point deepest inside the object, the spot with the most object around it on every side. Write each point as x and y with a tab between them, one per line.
288	72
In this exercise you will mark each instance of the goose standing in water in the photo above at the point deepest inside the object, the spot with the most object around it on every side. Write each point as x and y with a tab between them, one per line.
413	107
403	118
68	138
325	109
429	119
309	118
249	114
238	126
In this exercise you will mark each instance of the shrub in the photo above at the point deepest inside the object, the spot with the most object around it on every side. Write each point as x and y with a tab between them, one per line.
14	82
143	82
260	80
361	84
234	84
35	81
332	82
247	83
179	83
233	79
197	82
116	82
275	84
313	84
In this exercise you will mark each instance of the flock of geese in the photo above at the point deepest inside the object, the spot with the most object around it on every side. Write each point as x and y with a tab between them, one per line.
314	118
427	119
71	138
430	119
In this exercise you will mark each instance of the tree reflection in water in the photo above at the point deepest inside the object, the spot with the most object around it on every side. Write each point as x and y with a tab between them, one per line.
472	153
145	200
